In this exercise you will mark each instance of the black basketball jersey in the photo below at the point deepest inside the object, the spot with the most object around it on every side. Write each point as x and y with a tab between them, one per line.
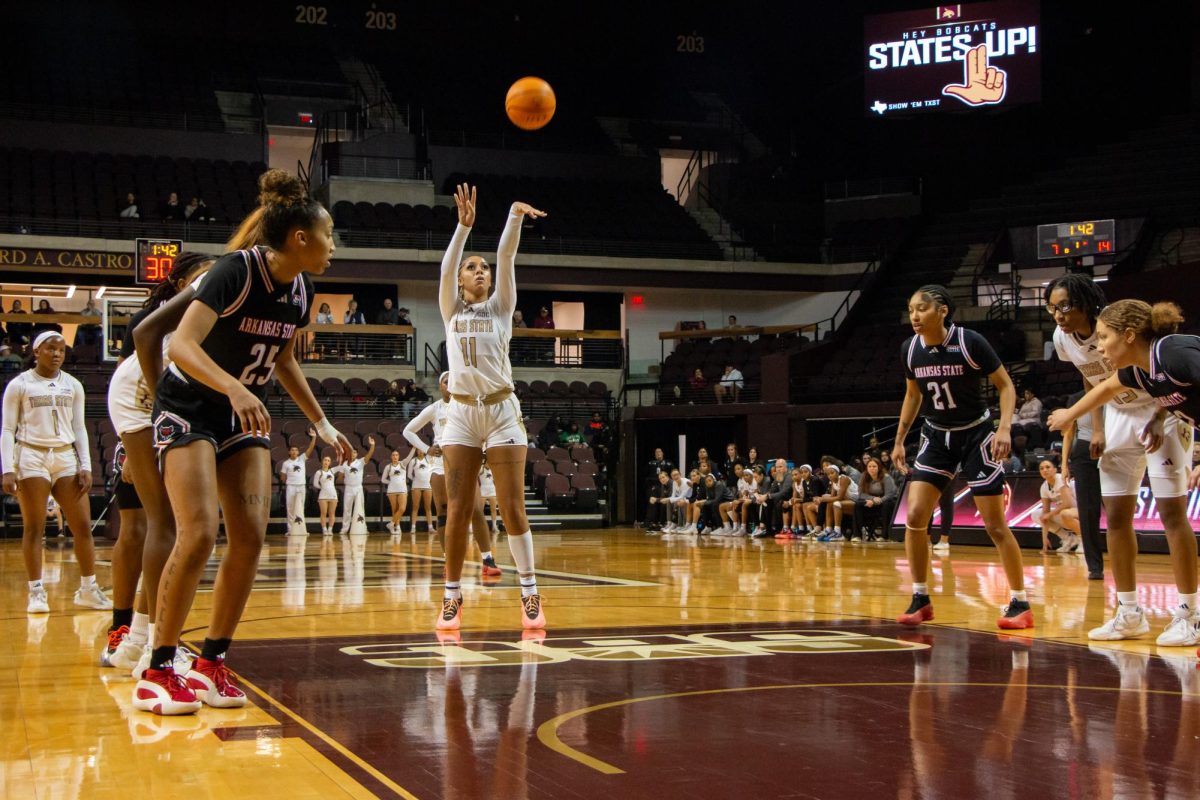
256	318
1173	376
951	375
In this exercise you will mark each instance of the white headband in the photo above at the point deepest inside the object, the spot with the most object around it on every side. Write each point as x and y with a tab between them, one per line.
44	335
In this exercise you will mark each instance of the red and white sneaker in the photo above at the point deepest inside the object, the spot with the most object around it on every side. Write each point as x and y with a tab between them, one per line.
214	684
920	610
1017	616
115	638
161	691
532	617
490	570
451	616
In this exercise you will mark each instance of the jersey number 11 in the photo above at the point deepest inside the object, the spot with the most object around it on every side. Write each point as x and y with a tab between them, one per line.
467	343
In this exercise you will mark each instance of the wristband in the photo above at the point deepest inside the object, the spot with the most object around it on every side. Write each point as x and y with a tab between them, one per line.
326	431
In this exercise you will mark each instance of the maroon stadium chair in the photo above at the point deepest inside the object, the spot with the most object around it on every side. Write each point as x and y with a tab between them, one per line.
558	493
541	471
587	496
565	468
557	454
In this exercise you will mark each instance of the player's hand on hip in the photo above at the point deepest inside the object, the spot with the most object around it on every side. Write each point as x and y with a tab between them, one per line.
250	411
1001	445
526	210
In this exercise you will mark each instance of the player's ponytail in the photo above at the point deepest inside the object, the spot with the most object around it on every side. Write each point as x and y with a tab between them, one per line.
283	204
1143	319
186	268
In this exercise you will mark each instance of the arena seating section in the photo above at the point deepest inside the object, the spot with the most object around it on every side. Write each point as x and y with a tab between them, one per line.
589	216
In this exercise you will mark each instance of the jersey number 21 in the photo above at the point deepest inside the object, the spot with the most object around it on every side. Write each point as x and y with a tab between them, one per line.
938	390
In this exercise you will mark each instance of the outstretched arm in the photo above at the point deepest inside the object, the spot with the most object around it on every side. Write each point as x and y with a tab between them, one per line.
1106	390
506	257
464	198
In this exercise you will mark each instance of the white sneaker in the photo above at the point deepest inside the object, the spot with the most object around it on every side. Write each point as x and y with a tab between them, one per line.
38	602
143	662
126	655
183	661
740	530
1128	622
856	538
668	528
1182	631
93	597
942	547
1065	546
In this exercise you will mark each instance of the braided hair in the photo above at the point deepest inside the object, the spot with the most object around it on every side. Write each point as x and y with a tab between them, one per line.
940	295
1082	293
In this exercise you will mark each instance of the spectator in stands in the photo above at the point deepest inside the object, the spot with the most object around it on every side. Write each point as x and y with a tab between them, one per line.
1028	424
572	435
732	460
597	428
899	476
1012	464
733	323
519	319
324	342
171	209
353	345
702	459
402	317
353	315
191	208
389	315
543	319
10	362
324	315
202	213
88	333
844	468
752	460
876	498
129	209
44	308
657	511
729	385
18	332
875	450
696	385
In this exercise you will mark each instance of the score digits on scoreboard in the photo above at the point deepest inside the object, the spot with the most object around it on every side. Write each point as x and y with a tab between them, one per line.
1070	239
154	259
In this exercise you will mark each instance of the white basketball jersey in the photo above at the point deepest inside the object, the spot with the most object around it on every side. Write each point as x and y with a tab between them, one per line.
1085	355
477	340
295	471
46	408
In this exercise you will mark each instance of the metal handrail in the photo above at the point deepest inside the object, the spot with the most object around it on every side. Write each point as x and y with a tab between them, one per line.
179	120
356	166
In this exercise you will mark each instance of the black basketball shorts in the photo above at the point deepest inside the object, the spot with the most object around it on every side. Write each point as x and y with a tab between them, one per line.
182	415
969	450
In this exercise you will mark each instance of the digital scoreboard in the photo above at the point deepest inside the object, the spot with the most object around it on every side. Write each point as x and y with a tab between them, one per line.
154	259
1070	239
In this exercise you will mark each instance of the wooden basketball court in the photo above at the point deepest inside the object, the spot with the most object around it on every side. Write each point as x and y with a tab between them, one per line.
680	668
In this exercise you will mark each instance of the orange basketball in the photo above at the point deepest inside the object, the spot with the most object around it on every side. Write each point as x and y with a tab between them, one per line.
530	103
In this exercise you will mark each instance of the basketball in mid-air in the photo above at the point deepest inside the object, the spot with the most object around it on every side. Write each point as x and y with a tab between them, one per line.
530	103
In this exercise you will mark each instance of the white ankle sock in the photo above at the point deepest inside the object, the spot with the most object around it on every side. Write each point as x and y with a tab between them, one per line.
453	590
528	586
86	581
1127	598
485	555
920	588
1020	596
139	629
1188	600
35	585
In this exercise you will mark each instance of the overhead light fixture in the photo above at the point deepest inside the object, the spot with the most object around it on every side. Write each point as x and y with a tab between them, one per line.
100	292
70	291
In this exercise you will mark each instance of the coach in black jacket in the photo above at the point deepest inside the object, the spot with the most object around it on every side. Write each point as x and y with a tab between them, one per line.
778	488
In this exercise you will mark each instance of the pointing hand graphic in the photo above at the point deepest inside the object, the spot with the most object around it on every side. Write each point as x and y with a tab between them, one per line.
982	85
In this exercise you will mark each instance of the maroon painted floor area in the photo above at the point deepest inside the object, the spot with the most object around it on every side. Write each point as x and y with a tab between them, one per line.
855	713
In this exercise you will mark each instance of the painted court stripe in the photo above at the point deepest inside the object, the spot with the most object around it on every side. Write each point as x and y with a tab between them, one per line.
336	745
547	732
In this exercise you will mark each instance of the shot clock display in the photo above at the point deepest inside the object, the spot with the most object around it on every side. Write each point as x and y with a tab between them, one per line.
154	259
1063	239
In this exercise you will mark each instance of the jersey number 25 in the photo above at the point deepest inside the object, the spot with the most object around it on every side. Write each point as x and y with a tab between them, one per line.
259	370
